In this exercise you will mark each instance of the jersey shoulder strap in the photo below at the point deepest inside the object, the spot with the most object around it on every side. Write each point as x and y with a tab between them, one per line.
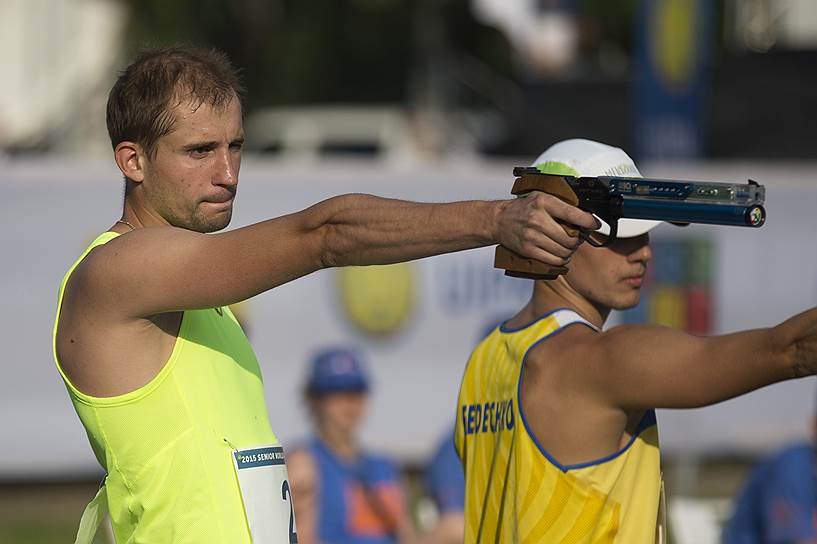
565	317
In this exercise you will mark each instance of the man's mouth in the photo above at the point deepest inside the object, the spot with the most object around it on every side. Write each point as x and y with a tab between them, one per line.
221	200
634	281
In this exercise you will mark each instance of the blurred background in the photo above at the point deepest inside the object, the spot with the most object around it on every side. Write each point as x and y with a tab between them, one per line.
431	100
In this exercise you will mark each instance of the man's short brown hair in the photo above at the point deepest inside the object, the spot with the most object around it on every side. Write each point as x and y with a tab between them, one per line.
141	101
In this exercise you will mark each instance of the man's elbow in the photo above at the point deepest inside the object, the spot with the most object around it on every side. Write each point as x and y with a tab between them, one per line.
327	256
334	250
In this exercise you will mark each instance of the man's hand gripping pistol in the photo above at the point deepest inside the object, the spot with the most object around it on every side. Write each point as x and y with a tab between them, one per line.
612	198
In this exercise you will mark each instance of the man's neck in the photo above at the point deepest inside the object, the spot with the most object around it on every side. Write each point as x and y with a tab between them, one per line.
137	214
551	295
342	445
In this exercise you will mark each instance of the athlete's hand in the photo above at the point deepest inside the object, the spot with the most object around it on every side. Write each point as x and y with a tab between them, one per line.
528	226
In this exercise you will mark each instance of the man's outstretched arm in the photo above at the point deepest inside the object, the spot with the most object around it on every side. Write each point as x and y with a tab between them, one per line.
658	367
155	270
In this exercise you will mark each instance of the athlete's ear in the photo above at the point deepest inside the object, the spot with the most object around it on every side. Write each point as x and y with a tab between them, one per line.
130	158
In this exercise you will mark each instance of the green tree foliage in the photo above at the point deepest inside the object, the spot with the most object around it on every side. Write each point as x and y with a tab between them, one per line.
308	51
607	22
291	51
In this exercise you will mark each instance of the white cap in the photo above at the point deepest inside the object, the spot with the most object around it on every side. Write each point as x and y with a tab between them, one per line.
586	158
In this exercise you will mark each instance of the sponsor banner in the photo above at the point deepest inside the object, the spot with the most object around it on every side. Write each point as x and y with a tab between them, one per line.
673	46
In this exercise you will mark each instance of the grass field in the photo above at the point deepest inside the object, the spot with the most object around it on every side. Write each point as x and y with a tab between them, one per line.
44	513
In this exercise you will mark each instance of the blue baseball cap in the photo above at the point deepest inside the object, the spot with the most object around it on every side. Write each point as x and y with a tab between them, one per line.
335	370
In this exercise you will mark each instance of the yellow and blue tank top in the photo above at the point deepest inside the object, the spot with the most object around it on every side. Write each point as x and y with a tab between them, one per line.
167	446
516	492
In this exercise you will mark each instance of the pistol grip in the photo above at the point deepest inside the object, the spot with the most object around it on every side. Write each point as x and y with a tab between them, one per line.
516	265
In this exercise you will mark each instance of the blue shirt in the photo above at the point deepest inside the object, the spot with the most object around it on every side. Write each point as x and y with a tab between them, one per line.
445	480
778	504
358	503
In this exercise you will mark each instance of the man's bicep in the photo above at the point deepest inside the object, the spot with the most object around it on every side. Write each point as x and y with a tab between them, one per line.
160	270
659	367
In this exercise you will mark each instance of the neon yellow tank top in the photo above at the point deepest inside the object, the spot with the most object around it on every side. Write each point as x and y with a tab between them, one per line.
167	446
516	492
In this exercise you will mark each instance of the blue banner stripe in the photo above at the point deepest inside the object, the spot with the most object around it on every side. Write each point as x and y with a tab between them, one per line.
259	457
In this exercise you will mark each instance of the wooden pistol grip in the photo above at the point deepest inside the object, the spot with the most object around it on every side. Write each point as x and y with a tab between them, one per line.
516	265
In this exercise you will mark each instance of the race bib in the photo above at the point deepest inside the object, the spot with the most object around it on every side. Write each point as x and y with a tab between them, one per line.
262	478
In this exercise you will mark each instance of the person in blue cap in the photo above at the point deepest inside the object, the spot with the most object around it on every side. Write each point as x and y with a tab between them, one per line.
778	502
343	493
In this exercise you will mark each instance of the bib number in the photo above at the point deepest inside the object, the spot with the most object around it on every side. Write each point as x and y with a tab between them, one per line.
286	494
262	479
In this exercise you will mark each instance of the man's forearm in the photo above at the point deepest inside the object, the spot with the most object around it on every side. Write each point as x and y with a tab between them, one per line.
175	269
363	229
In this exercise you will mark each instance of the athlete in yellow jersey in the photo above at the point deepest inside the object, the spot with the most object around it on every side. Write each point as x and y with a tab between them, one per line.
556	426
158	370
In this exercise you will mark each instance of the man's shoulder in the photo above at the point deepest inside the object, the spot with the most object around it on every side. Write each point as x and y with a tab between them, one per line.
99	271
85	278
794	457
97	259
565	341
582	341
300	456
301	447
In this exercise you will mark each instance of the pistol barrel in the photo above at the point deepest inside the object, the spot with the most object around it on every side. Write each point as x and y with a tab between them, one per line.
681	211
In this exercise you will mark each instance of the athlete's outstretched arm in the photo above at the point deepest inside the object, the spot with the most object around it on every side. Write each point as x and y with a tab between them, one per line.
162	269
648	366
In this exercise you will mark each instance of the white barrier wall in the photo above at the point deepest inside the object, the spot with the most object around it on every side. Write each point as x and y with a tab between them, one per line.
428	314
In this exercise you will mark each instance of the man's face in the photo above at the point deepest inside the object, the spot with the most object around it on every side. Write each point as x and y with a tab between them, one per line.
342	411
611	277
192	179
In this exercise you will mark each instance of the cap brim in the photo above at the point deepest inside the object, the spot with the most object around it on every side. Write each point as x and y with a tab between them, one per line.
324	389
629	228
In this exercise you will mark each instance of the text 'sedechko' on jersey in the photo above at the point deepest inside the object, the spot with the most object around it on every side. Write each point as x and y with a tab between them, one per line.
494	417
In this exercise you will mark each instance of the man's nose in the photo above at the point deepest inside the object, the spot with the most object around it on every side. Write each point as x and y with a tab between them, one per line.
642	252
227	169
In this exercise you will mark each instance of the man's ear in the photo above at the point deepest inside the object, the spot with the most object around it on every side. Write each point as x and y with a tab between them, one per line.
131	159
